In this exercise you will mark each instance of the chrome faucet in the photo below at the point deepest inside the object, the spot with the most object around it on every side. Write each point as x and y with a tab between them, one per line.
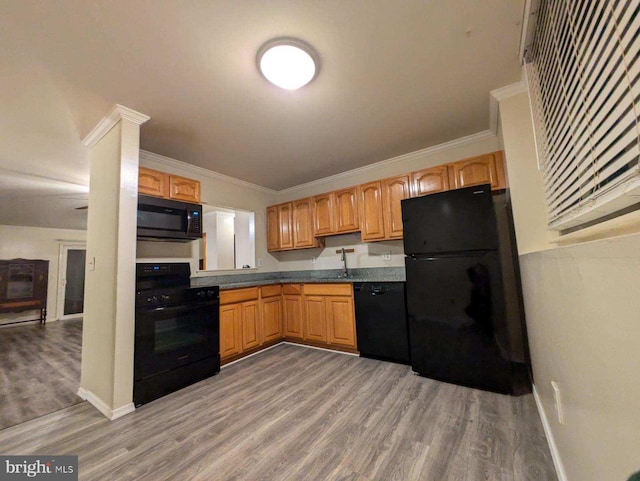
343	258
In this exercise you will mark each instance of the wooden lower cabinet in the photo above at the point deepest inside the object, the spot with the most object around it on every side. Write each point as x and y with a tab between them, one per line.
230	330
315	325
341	321
318	314
293	315
249	314
272	318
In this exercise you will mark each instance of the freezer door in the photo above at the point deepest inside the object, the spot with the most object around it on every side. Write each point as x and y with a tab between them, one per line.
456	320
453	221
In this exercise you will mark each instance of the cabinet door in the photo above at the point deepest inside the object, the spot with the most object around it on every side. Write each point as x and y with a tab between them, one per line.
271	318
484	169
284	220
341	321
393	191
371	209
292	316
273	229
230	330
250	325
315	319
346	210
152	182
303	223
181	188
430	181
323	214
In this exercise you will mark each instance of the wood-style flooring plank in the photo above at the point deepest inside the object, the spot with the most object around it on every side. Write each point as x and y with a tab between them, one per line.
293	413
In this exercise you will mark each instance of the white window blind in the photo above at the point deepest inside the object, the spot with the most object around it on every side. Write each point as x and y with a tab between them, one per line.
583	74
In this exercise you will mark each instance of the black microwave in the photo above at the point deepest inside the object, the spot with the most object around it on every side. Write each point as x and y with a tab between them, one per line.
165	219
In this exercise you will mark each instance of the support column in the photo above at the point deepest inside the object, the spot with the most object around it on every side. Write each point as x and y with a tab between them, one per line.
108	326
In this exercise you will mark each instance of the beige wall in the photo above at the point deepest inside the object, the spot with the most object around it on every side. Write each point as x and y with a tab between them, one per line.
582	305
217	191
36	243
369	254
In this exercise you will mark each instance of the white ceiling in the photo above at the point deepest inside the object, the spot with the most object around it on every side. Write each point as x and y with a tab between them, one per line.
395	77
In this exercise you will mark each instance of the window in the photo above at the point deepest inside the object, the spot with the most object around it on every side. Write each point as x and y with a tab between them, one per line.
583	73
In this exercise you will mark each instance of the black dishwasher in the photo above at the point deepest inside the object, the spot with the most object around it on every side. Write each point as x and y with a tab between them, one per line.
381	321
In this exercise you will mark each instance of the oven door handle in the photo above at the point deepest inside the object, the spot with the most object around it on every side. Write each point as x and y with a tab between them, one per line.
190	307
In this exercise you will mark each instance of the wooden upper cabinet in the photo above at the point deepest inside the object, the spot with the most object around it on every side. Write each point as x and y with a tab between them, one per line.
152	182
285	225
273	228
161	184
323	214
346	210
484	169
430	181
181	188
303	223
371	212
394	190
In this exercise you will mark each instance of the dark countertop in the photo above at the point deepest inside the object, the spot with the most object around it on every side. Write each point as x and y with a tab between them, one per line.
234	281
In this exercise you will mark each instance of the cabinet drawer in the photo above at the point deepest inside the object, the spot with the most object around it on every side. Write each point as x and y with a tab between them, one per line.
238	295
270	291
292	289
328	289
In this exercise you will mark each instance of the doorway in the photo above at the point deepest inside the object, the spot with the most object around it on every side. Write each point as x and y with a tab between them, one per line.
71	274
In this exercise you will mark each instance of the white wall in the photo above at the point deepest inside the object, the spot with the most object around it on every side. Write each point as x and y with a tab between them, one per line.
245	239
36	243
581	305
221	191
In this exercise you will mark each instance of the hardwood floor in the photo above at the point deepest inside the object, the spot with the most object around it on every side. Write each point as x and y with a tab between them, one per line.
39	369
293	413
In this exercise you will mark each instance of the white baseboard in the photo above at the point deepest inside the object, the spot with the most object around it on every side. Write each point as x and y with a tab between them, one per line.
320	348
555	454
291	344
101	406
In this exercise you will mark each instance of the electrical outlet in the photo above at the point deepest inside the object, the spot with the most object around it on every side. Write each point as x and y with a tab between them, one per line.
558	401
313	260
386	256
260	262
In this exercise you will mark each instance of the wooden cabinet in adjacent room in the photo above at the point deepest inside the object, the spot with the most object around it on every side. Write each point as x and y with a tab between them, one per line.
292	311
430	181
483	169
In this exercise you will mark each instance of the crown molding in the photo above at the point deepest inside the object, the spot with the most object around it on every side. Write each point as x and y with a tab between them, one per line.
200	171
119	112
469	139
495	96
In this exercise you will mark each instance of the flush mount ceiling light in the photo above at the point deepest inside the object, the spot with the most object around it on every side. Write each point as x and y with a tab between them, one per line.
288	63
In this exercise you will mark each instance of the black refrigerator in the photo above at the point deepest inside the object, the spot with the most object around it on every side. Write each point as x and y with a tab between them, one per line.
466	324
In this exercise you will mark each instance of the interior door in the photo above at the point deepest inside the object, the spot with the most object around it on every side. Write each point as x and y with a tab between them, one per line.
71	281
